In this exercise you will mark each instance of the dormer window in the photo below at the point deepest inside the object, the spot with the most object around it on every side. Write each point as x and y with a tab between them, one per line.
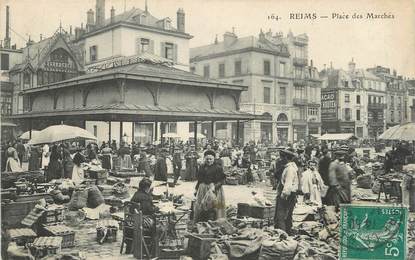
167	24
26	79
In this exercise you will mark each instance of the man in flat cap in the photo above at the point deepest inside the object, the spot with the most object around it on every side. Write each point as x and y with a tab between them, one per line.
177	162
286	193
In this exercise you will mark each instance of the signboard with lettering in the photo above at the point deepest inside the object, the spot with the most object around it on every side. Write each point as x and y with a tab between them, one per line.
373	232
329	104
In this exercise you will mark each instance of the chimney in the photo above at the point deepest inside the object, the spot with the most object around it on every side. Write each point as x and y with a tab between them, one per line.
230	37
112	14
180	20
89	20
352	66
29	42
311	63
261	35
41	37
70	30
7	39
216	39
100	12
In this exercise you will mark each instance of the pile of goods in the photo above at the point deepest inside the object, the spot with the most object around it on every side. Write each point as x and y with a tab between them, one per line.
236	176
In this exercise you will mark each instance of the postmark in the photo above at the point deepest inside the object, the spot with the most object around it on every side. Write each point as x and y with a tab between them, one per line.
373	232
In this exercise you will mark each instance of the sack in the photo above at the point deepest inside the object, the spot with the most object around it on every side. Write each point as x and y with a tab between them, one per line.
209	200
273	249
364	181
79	199
95	197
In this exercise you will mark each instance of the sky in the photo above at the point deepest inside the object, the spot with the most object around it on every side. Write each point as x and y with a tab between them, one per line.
387	42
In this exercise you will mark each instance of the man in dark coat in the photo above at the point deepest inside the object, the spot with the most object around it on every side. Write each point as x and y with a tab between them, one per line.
160	170
191	163
21	150
177	163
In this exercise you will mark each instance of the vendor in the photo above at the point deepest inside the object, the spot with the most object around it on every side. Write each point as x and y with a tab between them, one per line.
78	171
144	198
106	157
286	193
13	163
339	191
210	178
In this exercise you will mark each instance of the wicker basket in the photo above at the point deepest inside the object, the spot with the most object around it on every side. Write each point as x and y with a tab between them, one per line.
67	234
44	246
53	215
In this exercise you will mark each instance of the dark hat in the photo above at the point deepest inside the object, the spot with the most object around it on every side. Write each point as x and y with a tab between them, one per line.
209	152
288	152
312	162
344	147
340	152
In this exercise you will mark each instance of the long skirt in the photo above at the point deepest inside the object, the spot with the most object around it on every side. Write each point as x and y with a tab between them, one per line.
34	163
107	161
337	195
68	169
217	209
13	165
126	162
55	170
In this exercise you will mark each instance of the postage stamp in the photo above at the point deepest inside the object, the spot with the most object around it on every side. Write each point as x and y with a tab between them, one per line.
373	232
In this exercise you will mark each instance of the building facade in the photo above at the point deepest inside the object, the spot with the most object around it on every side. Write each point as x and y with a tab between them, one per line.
353	101
410	100
280	83
395	95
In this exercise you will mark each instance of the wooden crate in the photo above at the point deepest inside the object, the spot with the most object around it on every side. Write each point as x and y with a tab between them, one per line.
232	181
21	235
67	234
199	245
101	181
260	212
14	212
244	210
111	234
98	174
44	246
53	215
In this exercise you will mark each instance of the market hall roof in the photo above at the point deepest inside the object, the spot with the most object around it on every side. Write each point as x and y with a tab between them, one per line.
149	113
146	67
35	53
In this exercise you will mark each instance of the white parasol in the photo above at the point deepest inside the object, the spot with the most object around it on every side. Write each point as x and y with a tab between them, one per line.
405	132
59	133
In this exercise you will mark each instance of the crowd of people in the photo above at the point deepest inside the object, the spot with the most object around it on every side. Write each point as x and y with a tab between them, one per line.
321	174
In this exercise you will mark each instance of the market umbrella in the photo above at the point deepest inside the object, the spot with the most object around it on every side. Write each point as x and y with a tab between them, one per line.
199	135
388	133
26	135
404	132
59	133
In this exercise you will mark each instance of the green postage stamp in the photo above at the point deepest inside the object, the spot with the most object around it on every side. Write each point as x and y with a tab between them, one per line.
373	232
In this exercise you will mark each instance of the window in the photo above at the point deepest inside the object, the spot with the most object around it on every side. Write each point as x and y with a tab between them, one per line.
26	79
369	83
357	99
95	131
302	113
144	45
206	71
193	69
5	61
312	111
238	68
267	95
392	116
172	127
347	98
300	92
399	102
221	70
399	116
347	114
392	101
359	131
346	84
93	53
168	51
358	115
267	67
282	69
283	95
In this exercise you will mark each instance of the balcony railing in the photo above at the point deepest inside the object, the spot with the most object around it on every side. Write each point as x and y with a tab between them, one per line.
299	101
299	82
376	106
299	61
313	104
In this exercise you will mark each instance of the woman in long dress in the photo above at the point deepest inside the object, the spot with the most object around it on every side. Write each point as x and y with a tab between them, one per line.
210	199
78	171
55	168
34	159
67	163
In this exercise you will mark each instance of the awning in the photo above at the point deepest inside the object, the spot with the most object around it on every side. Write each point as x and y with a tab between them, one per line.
140	113
7	124
337	137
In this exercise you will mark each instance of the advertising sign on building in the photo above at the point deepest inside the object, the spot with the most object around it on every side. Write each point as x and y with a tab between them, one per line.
329	105
373	232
